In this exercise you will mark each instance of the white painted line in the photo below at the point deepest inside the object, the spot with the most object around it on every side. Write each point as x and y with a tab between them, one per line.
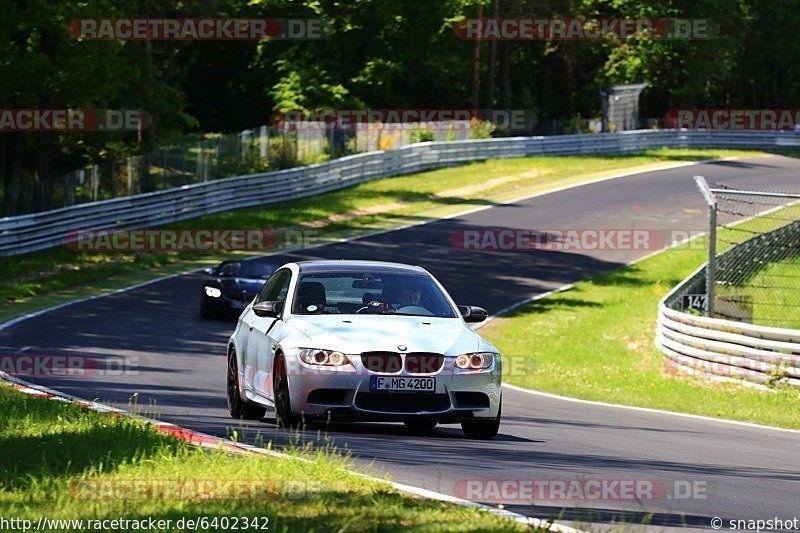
230	446
34	314
621	406
523	302
650	410
625	174
33	392
407	488
570	285
503	513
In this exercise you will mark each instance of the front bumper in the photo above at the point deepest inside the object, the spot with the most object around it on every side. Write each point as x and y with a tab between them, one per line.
319	392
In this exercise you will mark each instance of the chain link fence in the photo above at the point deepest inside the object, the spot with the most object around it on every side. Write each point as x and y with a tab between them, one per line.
201	158
754	261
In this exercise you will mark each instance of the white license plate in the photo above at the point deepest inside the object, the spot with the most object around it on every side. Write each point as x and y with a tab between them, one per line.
404	384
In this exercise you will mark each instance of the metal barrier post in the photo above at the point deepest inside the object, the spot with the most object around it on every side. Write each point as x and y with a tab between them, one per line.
712	242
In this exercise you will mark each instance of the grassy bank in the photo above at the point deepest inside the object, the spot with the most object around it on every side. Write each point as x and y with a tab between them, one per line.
596	342
41	279
773	294
64	462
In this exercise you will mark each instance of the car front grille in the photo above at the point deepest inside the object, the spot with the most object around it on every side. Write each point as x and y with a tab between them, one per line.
392	362
424	363
400	402
382	362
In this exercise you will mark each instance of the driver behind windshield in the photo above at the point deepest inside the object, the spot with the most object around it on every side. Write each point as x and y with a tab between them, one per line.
408	296
399	295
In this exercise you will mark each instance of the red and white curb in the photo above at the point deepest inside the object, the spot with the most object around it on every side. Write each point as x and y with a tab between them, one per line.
187	435
209	441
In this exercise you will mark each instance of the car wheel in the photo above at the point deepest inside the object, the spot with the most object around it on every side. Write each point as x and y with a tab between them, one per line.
237	407
483	429
280	389
419	426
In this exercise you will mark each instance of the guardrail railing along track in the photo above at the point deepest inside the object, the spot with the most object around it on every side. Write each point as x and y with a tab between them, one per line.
722	349
38	231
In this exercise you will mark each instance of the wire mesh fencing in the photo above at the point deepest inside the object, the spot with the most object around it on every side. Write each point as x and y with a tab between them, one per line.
202	158
755	267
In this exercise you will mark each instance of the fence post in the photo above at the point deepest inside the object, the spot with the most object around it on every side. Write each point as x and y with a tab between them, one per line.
69	188
185	177
130	176
95	181
263	143
711	270
711	278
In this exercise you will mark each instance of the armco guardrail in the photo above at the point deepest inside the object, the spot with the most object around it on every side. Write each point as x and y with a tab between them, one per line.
725	349
38	231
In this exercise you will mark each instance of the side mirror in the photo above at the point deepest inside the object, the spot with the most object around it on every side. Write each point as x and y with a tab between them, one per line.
268	309
473	313
209	271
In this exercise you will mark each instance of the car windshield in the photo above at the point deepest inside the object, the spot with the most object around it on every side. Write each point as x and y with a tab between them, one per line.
370	293
245	269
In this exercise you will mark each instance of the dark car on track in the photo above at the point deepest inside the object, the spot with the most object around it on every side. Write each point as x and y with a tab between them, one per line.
231	285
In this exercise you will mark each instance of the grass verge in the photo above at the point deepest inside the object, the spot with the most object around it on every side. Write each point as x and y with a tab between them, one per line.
42	279
596	342
68	463
773	294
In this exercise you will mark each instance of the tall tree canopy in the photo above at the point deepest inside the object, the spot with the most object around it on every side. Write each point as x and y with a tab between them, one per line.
375	54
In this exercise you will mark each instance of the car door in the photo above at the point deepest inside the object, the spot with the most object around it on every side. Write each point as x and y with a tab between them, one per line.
260	349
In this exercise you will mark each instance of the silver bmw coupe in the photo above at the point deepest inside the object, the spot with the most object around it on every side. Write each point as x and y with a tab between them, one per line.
363	341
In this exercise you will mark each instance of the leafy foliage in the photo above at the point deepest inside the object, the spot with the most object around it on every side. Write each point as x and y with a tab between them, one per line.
376	54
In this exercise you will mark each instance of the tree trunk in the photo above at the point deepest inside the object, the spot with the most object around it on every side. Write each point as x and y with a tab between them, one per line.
12	153
505	75
492	61
147	137
4	171
43	176
476	66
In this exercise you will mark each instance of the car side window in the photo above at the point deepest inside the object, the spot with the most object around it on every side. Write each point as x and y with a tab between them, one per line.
276	288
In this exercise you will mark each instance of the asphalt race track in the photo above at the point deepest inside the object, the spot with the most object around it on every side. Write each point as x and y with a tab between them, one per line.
748	473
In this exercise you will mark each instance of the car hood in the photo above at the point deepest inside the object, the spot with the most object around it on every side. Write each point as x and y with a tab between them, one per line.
353	334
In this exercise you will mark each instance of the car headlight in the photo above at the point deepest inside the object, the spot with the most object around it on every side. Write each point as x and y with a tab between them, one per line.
213	292
315	356
475	361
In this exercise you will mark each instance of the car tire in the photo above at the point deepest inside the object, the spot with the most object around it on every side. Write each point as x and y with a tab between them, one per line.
284	417
483	429
238	408
419	426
